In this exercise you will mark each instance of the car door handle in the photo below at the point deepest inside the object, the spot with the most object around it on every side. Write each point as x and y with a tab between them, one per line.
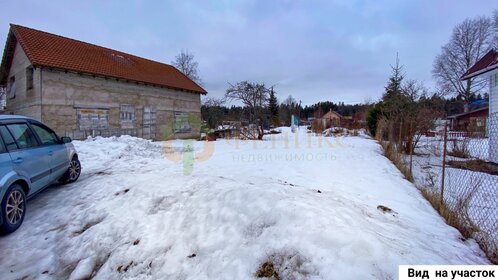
50	153
18	160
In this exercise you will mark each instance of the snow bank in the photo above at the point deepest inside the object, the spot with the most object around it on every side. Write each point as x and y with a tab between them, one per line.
335	131
306	204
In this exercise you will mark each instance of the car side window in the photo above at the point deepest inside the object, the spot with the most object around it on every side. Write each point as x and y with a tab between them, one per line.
46	136
23	136
2	147
8	140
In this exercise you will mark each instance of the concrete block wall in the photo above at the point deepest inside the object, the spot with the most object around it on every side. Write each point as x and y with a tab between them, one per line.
26	102
63	92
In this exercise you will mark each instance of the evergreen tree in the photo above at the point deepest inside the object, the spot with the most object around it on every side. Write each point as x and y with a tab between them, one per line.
394	100
372	118
273	107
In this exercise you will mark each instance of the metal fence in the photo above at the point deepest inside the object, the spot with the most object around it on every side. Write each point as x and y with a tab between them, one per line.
457	171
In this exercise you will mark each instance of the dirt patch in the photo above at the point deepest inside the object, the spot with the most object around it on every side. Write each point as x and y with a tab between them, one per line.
103	173
122	192
476	165
287	264
267	270
386	209
124	268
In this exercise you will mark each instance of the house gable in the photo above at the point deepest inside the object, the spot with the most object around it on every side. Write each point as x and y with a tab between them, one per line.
23	88
332	115
8	56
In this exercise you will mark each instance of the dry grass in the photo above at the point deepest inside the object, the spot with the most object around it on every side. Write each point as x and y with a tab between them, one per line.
397	159
475	165
459	149
457	202
392	151
458	154
456	216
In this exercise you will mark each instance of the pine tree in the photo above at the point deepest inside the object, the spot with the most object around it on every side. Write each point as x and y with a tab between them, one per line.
273	107
393	100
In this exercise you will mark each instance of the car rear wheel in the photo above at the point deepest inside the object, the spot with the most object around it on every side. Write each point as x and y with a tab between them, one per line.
13	209
73	172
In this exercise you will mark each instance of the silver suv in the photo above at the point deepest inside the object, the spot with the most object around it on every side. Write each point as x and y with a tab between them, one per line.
32	157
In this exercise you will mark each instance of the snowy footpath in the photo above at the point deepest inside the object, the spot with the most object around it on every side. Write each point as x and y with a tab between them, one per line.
313	207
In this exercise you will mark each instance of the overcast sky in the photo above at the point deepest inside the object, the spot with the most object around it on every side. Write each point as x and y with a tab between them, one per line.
336	50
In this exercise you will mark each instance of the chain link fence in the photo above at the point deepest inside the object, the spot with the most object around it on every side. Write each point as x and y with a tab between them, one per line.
470	185
457	171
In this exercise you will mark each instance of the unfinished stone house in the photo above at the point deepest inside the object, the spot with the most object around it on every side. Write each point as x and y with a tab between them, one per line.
80	89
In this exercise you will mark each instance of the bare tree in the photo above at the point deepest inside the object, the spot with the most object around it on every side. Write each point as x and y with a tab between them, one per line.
289	107
255	97
187	65
470	40
418	112
212	111
495	29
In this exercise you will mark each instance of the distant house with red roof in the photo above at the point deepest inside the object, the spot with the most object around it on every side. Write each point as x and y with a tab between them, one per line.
471	121
81	89
487	67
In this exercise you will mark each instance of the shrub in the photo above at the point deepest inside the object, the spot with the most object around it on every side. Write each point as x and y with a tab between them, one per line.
373	115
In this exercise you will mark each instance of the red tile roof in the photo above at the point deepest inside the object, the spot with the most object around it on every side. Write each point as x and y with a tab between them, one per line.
53	51
487	63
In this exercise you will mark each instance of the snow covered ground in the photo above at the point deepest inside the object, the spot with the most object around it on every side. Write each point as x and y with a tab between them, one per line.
219	210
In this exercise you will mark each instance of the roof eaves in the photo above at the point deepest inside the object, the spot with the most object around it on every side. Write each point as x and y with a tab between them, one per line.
117	78
19	39
480	72
467	113
16	30
7	57
491	60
